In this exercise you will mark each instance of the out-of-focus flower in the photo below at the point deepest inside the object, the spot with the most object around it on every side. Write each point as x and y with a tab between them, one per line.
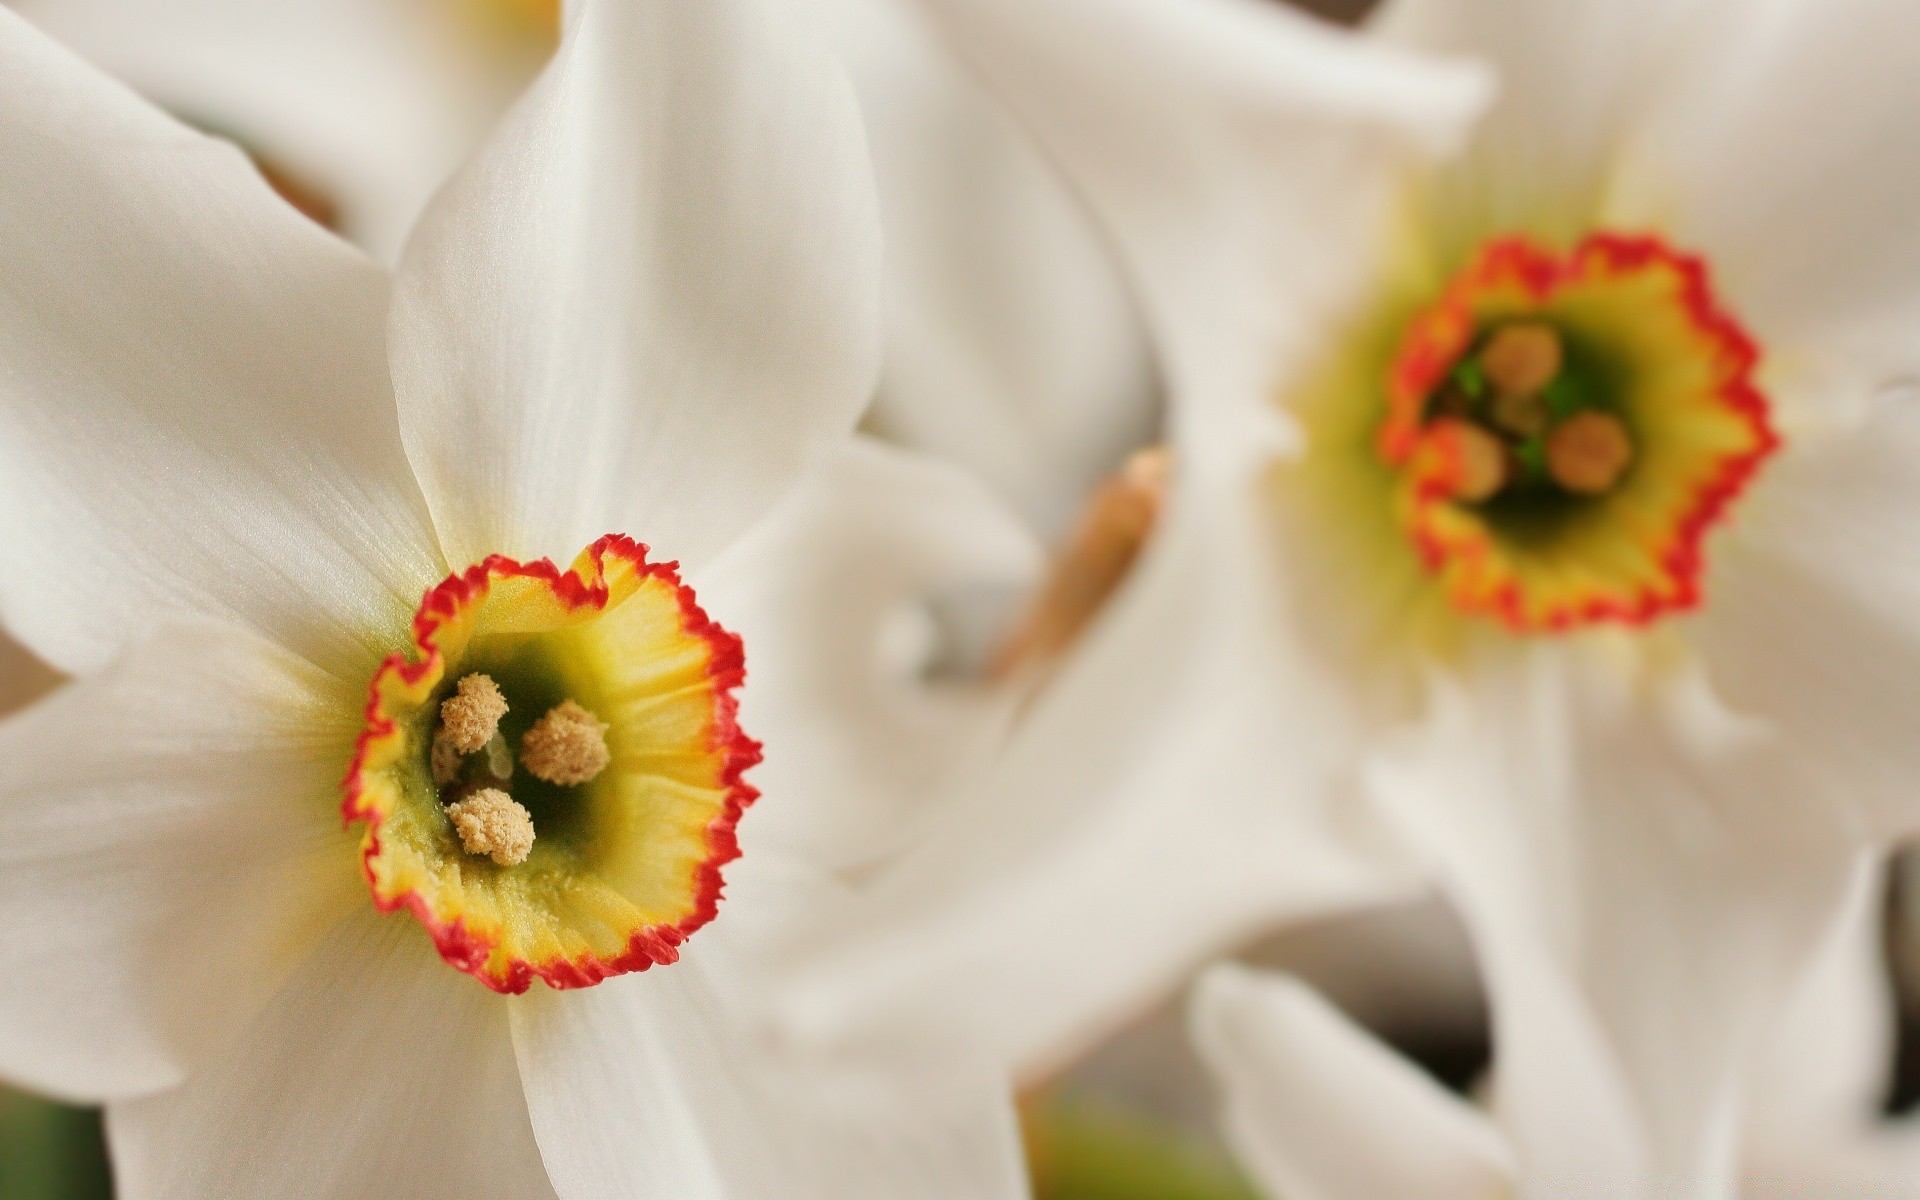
1538	525
236	453
1317	1108
358	110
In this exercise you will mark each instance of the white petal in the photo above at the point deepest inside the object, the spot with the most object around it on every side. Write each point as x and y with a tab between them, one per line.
861	744
1775	150
1013	345
1812	619
1572	77
1645	879
1822	1072
1242	156
372	103
1319	1110
707	1111
1180	785
170	845
195	412
651	295
377	1071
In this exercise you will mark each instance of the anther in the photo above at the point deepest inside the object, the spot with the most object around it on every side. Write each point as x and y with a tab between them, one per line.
1522	358
1480	460
1588	452
1525	416
567	746
493	824
472	713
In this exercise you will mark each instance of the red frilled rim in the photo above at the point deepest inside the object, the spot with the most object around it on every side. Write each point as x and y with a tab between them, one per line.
1437	339
583	586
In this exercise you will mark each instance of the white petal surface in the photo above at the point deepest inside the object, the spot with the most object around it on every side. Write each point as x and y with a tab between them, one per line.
373	103
377	1071
1013	346
1319	1110
170	845
1812	621
1778	149
711	1112
1645	879
651	295
1572	77
862	739
1822	1073
195	412
1175	788
1241	154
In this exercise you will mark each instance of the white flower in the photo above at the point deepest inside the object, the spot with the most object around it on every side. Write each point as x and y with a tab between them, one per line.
1630	696
237	453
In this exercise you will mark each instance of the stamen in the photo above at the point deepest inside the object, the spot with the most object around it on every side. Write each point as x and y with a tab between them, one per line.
1524	416
1588	452
493	824
1094	562
567	746
472	714
1481	458
1522	358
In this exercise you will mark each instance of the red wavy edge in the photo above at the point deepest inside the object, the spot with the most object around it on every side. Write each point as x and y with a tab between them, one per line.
1438	337
468	951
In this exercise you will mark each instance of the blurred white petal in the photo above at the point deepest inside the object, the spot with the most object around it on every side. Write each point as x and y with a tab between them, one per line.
1319	1110
861	743
1645	879
1013	345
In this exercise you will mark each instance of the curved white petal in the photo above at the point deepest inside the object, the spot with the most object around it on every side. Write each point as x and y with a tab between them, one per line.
1778	150
1812	618
709	1111
1242	156
195	411
376	1071
1821	1074
1013	345
1181	784
650	296
1319	1110
1572	76
373	103
862	739
1645	879
170	845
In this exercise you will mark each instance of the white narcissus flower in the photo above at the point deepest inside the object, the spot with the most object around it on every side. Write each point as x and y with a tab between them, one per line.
1539	527
360	108
1317	1109
236	455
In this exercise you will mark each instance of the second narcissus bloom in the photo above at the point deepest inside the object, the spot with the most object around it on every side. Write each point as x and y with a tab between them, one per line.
346	570
1542	470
